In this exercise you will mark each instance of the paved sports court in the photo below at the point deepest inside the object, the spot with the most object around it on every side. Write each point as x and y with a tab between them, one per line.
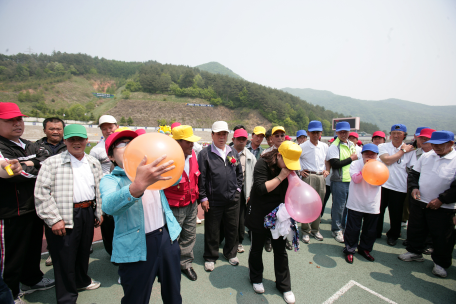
319	274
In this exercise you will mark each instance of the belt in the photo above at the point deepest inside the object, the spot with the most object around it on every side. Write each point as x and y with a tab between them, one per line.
85	204
313	172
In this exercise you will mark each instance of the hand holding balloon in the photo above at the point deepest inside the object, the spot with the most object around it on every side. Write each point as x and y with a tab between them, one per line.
147	175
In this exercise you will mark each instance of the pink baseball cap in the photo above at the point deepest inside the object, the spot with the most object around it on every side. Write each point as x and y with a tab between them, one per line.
240	133
175	124
354	134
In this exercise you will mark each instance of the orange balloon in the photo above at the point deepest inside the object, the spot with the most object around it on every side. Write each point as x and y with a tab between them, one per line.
154	145
375	172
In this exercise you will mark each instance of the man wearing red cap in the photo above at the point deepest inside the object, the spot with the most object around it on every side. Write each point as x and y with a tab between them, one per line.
248	161
378	138
21	229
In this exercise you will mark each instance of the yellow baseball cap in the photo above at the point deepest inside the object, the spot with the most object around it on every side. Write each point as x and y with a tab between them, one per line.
291	152
278	128
184	132
259	130
122	129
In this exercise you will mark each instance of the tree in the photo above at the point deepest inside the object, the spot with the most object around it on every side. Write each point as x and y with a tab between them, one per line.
186	79
90	106
126	94
244	97
77	111
326	128
123	121
198	82
164	82
130	121
92	117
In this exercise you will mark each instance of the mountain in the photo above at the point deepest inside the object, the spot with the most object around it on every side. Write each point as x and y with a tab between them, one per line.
383	113
217	68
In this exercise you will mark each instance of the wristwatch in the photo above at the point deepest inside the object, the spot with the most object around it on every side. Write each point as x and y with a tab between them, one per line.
403	150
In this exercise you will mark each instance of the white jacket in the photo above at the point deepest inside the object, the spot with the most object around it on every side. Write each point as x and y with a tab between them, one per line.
250	162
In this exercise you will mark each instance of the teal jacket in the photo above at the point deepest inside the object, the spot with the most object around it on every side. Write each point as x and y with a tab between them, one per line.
129	242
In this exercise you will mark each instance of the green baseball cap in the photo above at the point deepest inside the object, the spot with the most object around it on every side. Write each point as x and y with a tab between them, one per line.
74	130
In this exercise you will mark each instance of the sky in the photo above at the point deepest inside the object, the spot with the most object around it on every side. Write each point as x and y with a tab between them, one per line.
370	50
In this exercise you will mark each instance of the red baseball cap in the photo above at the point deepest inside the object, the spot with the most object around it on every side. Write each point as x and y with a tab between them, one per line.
175	124
116	135
354	134
9	110
379	134
240	133
360	143
287	137
426	133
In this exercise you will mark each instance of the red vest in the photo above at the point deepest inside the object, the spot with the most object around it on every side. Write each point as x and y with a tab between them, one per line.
187	190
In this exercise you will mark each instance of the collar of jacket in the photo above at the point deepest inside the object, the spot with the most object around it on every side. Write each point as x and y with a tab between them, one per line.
118	171
65	155
247	153
214	150
11	144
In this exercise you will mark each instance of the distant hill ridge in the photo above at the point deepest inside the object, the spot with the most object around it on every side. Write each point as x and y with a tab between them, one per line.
383	113
217	68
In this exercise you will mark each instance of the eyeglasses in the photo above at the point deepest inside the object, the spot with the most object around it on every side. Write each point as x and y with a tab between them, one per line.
122	144
279	135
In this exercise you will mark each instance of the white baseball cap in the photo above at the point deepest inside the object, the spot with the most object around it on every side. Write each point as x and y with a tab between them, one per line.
107	119
220	126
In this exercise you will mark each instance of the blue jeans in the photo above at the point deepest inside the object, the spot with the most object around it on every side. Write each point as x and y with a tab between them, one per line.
339	191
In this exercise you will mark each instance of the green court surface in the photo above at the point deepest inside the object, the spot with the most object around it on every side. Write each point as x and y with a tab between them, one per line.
319	274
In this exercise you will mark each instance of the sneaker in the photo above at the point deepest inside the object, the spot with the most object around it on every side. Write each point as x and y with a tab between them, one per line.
49	261
404	224
288	245
317	236
91	286
19	300
198	221
428	251
118	281
306	238
234	261
44	284
289	297
91	249
258	288
209	266
410	256
439	271
338	236
240	248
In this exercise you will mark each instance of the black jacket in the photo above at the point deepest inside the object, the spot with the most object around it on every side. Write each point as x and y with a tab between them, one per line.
446	197
261	201
43	145
219	179
18	192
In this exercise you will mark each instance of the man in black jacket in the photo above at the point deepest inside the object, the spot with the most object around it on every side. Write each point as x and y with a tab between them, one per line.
220	185
52	144
22	230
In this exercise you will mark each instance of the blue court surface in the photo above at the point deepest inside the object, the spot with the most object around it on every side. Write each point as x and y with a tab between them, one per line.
319	274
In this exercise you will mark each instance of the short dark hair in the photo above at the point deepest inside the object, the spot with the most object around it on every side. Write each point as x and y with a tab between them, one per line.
52	119
239	127
268	133
271	159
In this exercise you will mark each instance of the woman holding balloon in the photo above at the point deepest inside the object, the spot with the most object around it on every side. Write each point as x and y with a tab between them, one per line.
270	185
146	230
363	203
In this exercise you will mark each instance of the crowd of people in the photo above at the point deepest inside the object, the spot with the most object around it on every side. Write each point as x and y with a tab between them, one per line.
53	185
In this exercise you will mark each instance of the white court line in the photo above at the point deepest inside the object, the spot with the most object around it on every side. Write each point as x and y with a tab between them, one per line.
349	285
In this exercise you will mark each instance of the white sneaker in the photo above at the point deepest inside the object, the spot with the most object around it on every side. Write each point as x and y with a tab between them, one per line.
240	248
234	261
439	271
118	281
258	288
209	266
404	224
317	236
93	285
19	300
306	238
198	221
289	297
49	261
410	256
338	236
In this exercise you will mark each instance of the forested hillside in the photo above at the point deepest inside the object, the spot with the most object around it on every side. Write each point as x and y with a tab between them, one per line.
217	68
28	76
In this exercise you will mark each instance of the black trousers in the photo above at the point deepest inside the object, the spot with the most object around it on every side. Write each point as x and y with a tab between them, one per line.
70	255
107	232
439	223
5	293
327	194
282	272
21	238
242	208
229	213
395	202
163	260
353	228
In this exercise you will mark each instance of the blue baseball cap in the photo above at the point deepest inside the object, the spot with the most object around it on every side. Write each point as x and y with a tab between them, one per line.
399	127
370	147
301	133
342	126
441	137
315	125
418	130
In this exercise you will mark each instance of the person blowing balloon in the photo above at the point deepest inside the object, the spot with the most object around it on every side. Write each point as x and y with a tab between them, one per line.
270	185
146	230
363	207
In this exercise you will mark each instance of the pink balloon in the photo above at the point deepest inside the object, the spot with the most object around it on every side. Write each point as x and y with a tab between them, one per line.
301	200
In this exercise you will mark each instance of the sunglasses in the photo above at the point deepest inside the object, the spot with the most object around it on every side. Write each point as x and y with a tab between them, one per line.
279	135
122	144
